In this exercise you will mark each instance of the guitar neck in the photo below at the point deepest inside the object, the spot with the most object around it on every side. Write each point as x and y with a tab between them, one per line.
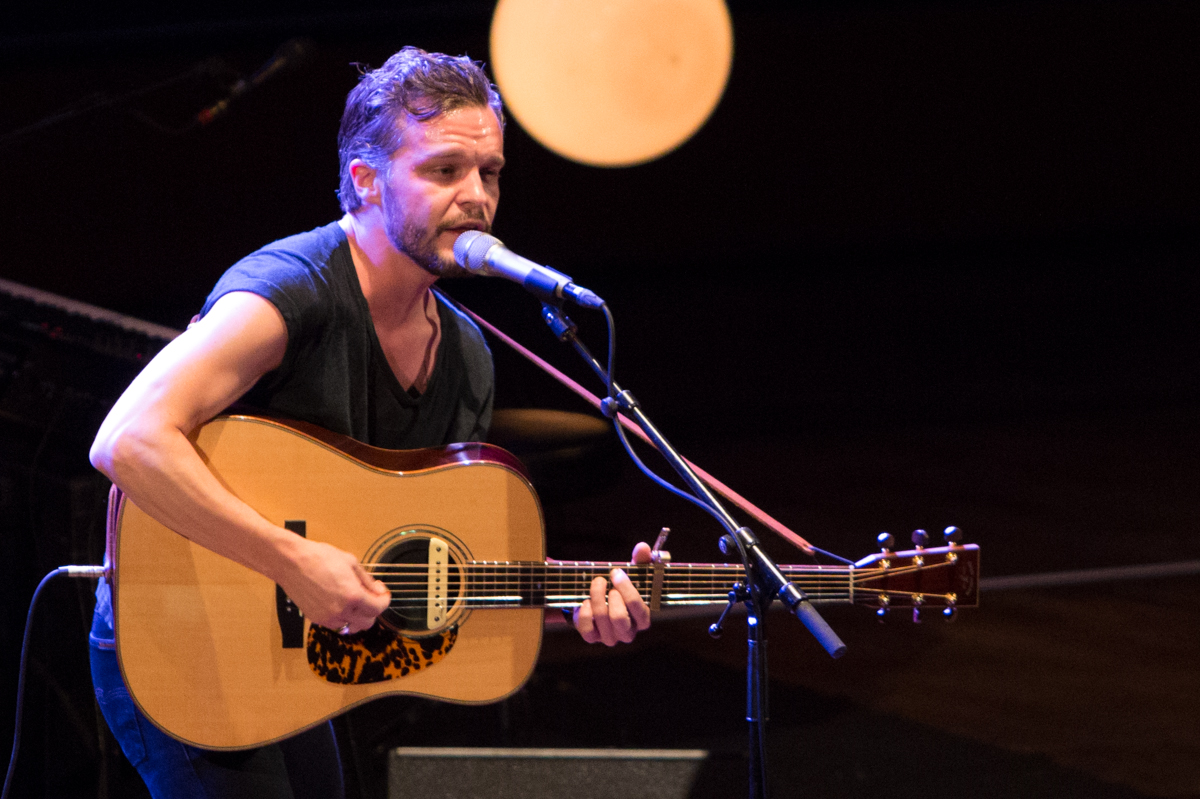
937	577
567	583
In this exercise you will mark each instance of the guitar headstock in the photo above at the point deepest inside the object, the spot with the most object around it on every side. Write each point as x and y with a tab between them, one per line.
921	578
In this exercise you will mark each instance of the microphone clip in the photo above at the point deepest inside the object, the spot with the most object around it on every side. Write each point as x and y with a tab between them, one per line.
561	325
623	401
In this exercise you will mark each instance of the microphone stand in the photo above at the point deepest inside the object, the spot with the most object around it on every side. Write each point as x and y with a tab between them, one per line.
763	583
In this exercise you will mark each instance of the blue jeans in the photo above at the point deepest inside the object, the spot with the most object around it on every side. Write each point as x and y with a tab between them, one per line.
304	766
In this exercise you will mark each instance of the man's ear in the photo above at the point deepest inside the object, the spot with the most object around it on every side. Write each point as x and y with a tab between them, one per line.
366	182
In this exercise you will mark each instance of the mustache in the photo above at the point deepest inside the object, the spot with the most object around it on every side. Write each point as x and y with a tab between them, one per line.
465	219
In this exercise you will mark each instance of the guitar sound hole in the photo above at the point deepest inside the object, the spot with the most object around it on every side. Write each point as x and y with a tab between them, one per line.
409	582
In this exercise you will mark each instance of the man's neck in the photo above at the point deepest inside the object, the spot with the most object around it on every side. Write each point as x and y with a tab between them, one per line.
394	285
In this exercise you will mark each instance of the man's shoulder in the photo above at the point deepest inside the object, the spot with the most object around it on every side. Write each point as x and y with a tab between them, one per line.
312	248
294	273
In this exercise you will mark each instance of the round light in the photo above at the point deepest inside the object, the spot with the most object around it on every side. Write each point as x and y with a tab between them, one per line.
611	82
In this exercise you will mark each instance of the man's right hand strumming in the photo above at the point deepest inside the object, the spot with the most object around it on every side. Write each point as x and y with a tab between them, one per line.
332	588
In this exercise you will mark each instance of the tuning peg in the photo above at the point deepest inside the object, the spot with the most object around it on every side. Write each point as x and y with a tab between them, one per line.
884	603
920	538
918	600
952	535
886	541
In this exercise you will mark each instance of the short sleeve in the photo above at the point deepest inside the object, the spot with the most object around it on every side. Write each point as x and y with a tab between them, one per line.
292	275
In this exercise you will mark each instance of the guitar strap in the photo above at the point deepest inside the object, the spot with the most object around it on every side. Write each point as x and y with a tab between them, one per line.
737	499
116	499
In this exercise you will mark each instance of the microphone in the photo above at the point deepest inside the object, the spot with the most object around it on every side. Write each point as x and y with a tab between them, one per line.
479	253
289	54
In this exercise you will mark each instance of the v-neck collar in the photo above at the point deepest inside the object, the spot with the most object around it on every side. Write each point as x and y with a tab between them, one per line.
402	394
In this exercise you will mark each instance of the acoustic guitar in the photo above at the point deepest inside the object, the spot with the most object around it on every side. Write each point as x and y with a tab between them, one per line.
217	656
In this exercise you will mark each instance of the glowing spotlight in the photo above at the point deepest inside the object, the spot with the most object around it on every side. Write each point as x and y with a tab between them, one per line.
611	82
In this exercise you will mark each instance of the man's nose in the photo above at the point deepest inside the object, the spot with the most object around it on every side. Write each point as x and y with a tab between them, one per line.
471	191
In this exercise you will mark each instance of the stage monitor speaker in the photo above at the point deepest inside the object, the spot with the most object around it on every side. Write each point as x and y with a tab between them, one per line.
470	773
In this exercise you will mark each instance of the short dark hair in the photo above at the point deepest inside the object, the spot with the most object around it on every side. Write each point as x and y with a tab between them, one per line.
411	83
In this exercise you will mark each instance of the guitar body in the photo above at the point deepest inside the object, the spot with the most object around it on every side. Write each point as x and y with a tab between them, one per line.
201	639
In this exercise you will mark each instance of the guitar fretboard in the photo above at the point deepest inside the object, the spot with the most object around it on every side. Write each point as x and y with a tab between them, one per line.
566	584
569	583
910	577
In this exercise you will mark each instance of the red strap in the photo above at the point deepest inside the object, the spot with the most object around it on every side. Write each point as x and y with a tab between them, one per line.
116	500
737	499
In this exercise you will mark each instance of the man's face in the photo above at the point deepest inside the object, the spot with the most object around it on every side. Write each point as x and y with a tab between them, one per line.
444	179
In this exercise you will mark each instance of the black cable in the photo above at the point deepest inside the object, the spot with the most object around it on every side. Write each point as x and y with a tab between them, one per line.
646	470
612	406
12	762
612	357
74	571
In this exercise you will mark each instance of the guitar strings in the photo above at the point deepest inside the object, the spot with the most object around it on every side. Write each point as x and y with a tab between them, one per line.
509	572
562	584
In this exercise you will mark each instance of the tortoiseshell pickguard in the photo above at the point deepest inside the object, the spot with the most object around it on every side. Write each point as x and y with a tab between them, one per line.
373	655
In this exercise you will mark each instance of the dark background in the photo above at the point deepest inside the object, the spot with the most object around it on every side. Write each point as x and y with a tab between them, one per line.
927	263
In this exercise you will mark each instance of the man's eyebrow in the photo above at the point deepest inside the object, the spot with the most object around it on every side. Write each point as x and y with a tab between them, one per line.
458	151
445	151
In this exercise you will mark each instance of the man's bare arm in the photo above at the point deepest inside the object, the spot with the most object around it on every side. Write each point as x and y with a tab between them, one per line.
143	448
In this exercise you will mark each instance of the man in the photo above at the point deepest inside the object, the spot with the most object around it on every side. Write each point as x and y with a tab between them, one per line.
337	327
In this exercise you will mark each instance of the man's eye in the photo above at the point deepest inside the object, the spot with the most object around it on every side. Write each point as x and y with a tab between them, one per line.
440	171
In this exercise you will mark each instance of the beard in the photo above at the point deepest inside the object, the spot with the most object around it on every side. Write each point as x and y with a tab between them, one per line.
416	241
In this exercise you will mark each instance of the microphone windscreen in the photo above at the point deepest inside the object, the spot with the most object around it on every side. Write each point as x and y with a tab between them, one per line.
471	248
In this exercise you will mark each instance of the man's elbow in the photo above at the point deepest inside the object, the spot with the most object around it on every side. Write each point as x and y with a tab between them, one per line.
101	452
114	449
